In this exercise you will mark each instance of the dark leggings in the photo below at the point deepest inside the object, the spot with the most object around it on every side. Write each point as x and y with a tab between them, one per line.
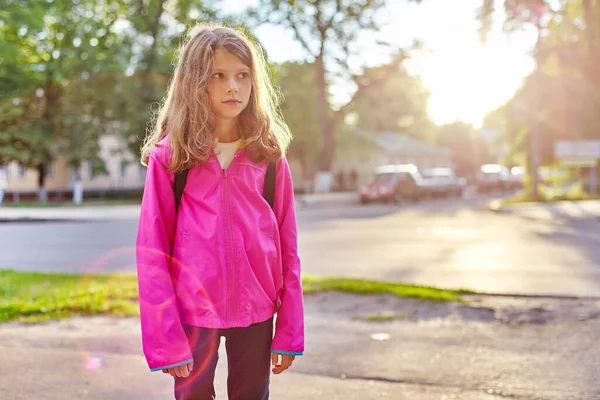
248	361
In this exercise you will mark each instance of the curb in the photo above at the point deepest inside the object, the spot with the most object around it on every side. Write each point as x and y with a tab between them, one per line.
310	201
548	213
25	220
533	296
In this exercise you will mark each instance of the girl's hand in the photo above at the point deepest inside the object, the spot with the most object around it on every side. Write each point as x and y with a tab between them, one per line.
280	366
182	371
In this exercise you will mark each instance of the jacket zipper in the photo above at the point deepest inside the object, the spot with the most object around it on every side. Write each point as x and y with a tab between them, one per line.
231	306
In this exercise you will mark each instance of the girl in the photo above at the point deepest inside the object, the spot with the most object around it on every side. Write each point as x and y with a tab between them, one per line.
223	262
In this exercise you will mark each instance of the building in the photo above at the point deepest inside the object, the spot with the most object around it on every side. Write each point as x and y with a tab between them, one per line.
124	174
356	151
363	152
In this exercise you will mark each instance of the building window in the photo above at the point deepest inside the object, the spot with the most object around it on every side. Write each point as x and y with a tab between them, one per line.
90	169
21	171
123	168
50	170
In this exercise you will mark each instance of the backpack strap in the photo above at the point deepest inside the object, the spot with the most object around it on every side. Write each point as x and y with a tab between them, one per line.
180	179
269	190
268	194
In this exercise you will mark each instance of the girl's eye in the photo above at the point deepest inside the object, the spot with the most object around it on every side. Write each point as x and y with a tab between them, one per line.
218	75
243	75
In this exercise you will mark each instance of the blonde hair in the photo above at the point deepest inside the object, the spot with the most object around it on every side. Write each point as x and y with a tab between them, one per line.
185	114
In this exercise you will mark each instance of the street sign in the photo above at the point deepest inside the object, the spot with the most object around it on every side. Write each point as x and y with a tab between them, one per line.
577	150
580	153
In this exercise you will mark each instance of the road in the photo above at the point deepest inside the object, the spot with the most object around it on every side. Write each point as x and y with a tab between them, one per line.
455	244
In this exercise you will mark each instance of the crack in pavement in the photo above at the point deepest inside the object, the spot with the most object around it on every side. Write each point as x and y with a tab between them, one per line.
439	385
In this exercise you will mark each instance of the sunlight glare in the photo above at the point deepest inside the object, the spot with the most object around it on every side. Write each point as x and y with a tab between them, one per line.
468	80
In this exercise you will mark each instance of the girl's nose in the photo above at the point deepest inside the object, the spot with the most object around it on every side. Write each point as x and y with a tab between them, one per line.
232	87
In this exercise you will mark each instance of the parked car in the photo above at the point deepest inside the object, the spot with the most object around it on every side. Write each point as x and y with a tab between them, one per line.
516	178
493	178
443	182
393	183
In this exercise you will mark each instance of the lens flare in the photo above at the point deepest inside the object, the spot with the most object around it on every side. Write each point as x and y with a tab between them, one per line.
165	288
94	363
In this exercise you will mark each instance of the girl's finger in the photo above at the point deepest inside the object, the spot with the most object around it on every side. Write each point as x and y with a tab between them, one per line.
279	369
274	359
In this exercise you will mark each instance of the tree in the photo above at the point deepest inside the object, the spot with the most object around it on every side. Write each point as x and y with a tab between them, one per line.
21	107
57	43
87	115
566	94
295	81
327	31
155	33
390	99
468	151
69	77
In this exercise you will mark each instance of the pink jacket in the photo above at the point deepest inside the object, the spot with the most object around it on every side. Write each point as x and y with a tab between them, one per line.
235	261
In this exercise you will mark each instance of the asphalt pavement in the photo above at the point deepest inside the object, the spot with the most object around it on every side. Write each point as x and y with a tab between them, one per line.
456	244
492	348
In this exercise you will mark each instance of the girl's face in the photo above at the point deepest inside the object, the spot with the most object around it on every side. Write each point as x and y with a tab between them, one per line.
230	85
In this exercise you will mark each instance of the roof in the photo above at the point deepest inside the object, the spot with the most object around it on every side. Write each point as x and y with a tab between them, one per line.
402	144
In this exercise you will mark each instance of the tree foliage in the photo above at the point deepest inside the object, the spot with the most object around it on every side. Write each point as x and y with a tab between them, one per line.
45	47
296	81
468	150
390	99
327	31
561	96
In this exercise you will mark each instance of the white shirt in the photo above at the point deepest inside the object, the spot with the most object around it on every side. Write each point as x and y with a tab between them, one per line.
226	151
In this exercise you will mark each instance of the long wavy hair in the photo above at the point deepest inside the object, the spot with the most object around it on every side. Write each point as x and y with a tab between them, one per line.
185	113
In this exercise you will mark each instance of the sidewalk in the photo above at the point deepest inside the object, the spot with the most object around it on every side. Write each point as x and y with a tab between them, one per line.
18	214
584	209
495	347
331	199
131	212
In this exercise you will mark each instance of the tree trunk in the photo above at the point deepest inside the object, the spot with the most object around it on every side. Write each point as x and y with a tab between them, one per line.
3	183
77	185
52	93
591	16
324	117
154	29
42	192
150	57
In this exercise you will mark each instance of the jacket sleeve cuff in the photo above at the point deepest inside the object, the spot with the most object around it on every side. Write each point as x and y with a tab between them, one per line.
288	353
179	364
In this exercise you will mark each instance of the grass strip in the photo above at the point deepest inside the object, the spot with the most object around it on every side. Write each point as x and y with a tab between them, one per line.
38	297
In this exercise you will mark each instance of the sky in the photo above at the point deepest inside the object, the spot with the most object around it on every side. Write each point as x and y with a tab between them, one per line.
465	78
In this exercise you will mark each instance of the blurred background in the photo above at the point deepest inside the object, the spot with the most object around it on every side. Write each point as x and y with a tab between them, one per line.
492	95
